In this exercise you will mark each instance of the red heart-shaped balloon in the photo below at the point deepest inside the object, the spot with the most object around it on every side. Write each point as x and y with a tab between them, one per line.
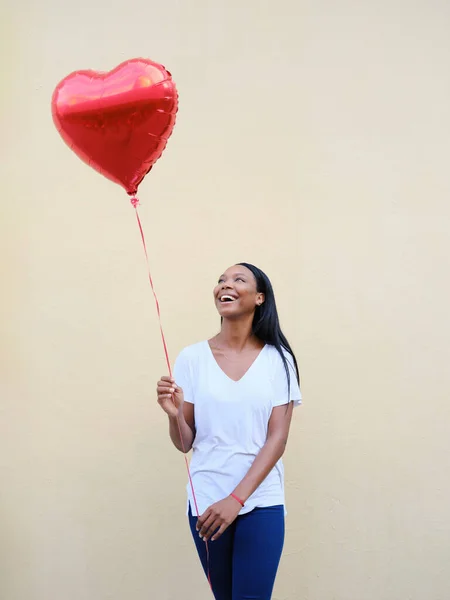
117	122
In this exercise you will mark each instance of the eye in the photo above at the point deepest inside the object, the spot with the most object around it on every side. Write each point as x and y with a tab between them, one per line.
240	279
221	280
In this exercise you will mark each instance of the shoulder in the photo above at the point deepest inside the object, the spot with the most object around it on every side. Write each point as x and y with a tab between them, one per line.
275	357
186	367
191	353
285	384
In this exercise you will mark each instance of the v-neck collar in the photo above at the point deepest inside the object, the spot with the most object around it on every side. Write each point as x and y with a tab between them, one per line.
213	358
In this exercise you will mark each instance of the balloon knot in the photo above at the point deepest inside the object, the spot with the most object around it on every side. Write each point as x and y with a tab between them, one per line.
134	201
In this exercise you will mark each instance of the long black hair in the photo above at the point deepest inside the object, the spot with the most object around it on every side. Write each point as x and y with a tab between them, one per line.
266	324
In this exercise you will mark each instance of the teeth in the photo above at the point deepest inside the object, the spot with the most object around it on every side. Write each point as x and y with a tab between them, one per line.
225	298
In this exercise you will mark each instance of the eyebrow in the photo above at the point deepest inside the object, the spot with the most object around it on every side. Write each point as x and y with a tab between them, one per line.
235	275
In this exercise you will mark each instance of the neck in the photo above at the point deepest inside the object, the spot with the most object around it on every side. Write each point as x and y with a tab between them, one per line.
236	334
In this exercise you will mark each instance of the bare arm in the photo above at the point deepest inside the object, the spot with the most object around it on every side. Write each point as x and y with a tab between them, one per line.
221	514
270	453
180	413
184	425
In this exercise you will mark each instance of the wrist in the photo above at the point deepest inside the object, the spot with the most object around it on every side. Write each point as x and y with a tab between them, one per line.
177	418
237	499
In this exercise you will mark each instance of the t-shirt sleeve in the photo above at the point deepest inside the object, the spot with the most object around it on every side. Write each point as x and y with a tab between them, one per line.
182	373
282	393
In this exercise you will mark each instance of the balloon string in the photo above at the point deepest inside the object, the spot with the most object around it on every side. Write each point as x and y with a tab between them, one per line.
135	203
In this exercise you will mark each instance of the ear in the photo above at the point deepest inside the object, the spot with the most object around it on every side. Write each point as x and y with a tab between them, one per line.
260	299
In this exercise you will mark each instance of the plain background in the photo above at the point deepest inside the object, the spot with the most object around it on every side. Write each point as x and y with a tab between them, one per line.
313	140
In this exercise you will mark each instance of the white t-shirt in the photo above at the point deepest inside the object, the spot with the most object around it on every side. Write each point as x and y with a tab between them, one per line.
231	420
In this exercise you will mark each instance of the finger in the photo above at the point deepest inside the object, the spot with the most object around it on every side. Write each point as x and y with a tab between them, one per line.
168	379
218	533
213	530
202	518
206	527
165	394
161	387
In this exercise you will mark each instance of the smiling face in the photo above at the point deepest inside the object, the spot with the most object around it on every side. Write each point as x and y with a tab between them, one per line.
236	294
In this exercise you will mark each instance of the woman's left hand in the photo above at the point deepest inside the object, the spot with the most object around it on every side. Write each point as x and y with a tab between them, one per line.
217	518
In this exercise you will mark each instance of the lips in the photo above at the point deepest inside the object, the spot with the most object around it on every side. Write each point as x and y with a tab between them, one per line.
227	298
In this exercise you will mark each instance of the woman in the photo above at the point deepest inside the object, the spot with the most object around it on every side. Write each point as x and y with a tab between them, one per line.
231	401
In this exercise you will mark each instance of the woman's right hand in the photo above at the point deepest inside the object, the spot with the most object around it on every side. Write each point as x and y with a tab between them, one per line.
170	396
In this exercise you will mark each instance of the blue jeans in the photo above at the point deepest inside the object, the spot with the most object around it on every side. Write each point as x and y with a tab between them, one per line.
243	562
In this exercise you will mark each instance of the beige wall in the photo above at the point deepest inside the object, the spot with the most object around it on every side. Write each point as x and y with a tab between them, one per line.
312	140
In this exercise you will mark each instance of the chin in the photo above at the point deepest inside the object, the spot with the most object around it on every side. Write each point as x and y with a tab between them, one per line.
233	315
227	311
